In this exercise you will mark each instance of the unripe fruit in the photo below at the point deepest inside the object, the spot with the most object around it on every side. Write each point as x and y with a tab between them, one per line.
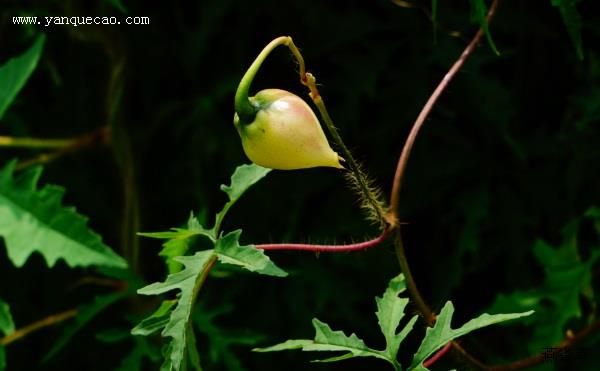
278	129
285	133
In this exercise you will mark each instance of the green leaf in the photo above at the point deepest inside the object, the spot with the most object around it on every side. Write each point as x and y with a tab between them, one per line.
229	251
7	326
179	240
572	21
329	340
15	72
34	220
479	15
2	359
85	314
441	333
390	311
187	282
557	300
156	321
243	178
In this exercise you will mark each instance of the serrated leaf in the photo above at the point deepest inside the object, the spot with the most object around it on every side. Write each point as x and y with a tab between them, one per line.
156	321
7	325
15	73
390	311
34	220
186	281
179	241
229	251
479	15
243	178
441	333
85	314
328	340
572	21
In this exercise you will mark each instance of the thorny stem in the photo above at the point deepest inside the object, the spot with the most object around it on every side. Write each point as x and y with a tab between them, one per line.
327	248
45	322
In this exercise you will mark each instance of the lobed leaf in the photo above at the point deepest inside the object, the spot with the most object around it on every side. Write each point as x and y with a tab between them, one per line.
390	311
229	251
35	220
156	321
328	340
187	282
243	178
179	240
15	73
441	333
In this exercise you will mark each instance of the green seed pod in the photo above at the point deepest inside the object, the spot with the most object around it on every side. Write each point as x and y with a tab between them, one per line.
278	129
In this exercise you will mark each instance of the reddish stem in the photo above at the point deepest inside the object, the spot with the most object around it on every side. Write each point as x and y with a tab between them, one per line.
440	353
326	248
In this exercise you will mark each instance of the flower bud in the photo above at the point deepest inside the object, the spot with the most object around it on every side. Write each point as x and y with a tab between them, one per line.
285	133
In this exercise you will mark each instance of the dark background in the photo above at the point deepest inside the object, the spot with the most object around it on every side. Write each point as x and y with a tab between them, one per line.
509	155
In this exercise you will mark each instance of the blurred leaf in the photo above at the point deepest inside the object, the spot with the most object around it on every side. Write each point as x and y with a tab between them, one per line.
156	321
243	178
434	10
558	299
15	72
7	326
479	15
85	314
229	251
187	281
192	349
2	359
220	341
118	4
34	220
441	333
142	349
572	20
390	311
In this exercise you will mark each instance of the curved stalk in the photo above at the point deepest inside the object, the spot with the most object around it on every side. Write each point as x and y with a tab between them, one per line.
244	108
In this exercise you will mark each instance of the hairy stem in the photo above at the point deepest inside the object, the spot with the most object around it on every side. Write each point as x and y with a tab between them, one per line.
327	248
370	195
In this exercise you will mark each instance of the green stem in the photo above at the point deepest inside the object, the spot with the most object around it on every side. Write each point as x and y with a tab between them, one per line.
244	108
35	142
